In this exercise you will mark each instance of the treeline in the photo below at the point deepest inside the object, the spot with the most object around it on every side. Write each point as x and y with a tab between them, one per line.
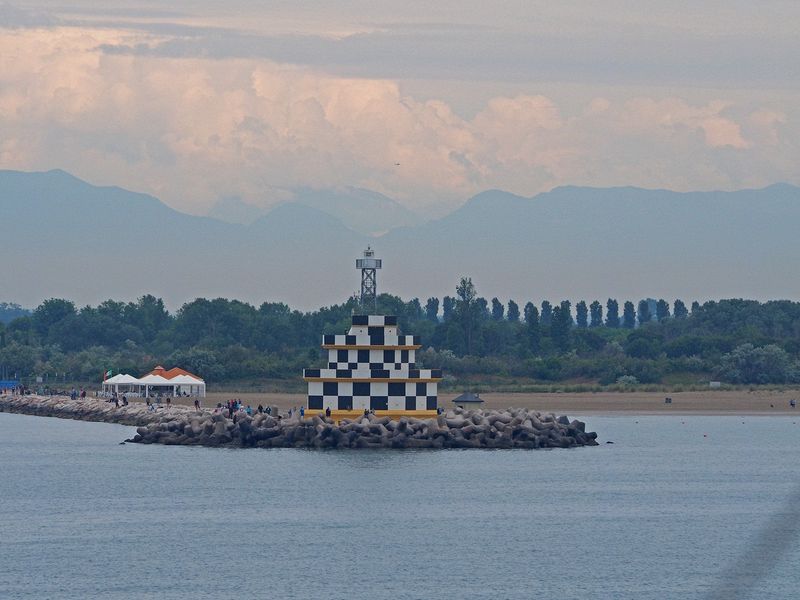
470	337
10	311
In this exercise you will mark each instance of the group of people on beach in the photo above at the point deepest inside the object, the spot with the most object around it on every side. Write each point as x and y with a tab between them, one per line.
17	390
234	407
117	399
75	394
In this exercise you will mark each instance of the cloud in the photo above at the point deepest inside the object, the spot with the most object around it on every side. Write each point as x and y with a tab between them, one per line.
194	129
13	17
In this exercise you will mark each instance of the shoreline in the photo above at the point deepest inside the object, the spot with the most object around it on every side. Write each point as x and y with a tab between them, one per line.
707	403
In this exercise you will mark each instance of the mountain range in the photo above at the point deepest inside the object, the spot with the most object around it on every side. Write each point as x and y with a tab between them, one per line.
364	211
63	237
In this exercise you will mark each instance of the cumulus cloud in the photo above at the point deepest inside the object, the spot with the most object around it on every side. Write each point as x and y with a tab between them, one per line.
195	129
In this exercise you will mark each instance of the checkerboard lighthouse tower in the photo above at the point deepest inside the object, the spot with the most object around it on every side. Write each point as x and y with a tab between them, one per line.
372	367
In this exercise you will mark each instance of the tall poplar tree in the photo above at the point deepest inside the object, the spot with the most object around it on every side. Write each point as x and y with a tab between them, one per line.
644	312
547	313
612	313
432	310
628	315
497	309
560	327
532	326
466	308
595	314
512	312
448	308
582	314
679	309
566	308
662	310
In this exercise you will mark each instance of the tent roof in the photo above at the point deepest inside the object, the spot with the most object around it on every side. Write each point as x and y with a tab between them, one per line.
172	373
154	380
121	378
186	380
468	397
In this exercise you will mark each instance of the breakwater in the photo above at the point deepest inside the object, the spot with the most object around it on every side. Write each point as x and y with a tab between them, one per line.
89	409
457	428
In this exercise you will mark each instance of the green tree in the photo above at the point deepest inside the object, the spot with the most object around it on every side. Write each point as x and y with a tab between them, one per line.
201	361
595	314
467	309
432	310
560	327
645	342
582	314
643	313
18	360
513	312
566	309
149	315
766	364
498	309
532	331
662	311
50	312
612	313
547	313
695	307
628	315
482	312
679	309
448	308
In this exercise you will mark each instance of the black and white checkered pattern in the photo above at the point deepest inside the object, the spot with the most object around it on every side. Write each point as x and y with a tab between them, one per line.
366	377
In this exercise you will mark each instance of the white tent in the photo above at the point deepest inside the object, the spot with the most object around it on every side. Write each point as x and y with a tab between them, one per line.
121	383
190	385
154	384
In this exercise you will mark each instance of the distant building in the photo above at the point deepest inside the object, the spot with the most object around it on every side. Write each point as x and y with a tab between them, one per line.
468	400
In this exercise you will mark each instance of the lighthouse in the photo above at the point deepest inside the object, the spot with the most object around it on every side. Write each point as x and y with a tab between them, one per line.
372	368
369	266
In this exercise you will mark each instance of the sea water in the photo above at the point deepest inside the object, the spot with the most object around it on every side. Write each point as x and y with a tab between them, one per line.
676	507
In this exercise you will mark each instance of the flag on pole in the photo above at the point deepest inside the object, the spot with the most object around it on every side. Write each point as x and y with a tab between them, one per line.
107	374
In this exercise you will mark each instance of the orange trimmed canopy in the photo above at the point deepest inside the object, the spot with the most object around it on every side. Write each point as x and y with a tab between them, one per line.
171	373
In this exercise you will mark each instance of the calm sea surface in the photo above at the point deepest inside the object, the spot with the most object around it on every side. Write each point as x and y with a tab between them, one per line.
675	508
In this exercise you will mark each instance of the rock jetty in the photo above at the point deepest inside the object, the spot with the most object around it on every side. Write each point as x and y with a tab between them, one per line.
457	428
89	409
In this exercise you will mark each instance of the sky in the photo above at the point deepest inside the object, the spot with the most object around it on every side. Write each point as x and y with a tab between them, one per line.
428	103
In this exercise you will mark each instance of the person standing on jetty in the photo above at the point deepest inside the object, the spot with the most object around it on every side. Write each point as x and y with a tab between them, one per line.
197	404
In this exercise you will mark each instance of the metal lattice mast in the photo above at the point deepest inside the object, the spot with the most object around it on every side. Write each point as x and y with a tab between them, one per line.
369	266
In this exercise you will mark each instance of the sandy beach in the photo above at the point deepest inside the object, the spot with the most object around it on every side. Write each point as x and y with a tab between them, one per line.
702	403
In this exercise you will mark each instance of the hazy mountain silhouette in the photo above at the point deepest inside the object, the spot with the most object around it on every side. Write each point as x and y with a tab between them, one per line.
232	209
65	237
364	211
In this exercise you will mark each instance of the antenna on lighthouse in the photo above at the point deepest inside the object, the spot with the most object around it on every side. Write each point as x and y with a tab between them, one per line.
369	266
